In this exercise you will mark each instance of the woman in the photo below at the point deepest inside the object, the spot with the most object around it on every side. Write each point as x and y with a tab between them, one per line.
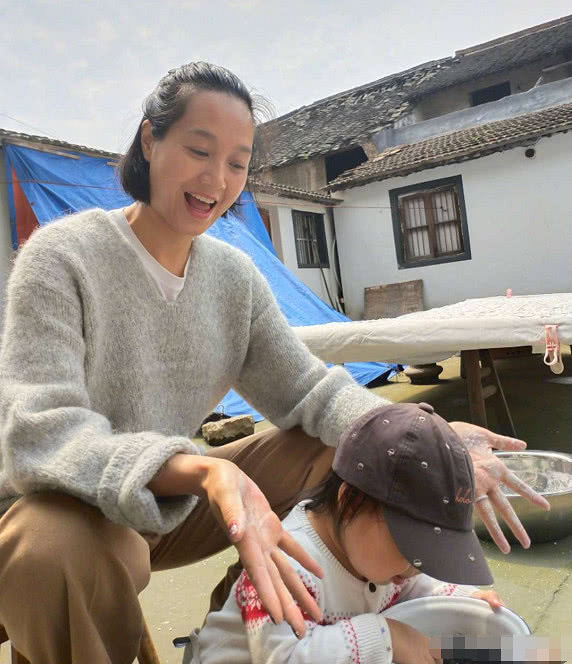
123	330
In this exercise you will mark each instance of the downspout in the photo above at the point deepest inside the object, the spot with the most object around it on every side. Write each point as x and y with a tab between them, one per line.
339	294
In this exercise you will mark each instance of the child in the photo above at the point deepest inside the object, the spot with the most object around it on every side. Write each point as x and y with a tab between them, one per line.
394	515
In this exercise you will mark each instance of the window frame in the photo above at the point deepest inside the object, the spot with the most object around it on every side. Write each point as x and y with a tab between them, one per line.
323	254
406	263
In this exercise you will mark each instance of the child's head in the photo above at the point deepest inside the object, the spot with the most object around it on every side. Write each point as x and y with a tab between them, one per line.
401	498
361	539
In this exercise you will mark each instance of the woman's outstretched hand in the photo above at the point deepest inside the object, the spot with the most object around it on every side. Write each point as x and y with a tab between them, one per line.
490	472
256	532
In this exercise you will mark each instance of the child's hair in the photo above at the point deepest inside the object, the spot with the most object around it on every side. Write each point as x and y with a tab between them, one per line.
167	103
326	498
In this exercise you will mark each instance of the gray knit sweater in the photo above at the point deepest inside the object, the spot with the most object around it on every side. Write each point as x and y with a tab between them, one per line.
102	380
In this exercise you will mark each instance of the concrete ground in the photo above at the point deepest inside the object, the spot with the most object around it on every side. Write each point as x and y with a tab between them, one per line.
536	583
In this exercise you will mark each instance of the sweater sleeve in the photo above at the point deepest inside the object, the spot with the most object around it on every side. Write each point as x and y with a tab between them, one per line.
51	439
289	385
361	639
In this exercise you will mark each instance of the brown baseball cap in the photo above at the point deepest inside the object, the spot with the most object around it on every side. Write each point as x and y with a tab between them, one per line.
409	459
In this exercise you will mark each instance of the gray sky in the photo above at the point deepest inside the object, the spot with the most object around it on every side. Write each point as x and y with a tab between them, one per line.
78	70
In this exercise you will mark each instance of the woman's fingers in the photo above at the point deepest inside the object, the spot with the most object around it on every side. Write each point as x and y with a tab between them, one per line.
296	587
488	517
292	613
290	546
501	503
505	443
514	482
256	565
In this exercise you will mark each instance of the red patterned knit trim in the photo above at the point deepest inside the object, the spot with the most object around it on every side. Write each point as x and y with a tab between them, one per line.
253	613
391	600
351	637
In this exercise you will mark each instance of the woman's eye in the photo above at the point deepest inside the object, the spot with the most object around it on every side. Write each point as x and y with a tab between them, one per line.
238	167
199	153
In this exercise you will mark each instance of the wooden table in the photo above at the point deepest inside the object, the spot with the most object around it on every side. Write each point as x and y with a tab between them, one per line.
478	329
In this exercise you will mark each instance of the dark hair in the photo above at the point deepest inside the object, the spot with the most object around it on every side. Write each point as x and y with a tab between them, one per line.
324	498
167	103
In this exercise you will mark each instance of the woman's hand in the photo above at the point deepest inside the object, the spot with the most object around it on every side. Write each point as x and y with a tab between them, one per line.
410	646
490	596
490	472
255	530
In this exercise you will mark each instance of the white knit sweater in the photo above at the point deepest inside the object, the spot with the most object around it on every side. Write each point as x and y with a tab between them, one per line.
352	630
102	380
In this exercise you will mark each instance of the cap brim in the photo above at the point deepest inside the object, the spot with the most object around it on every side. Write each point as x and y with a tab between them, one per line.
454	556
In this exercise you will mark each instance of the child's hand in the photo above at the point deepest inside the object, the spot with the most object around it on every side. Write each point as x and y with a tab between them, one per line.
410	646
490	596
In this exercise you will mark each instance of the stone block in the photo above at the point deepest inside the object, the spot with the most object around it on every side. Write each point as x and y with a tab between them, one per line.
225	431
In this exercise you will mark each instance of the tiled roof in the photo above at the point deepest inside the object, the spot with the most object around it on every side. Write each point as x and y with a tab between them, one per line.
339	122
346	119
7	135
458	146
260	186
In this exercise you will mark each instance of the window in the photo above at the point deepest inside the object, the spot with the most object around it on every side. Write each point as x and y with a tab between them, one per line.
429	223
310	238
492	93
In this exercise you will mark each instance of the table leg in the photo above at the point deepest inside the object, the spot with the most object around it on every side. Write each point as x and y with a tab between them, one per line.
501	407
470	360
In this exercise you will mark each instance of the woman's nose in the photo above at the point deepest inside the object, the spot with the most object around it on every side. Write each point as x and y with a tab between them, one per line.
213	175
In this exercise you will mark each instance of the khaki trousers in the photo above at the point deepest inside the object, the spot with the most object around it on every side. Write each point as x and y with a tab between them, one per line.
69	578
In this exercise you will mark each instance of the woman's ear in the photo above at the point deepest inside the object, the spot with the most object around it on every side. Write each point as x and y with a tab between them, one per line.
147	139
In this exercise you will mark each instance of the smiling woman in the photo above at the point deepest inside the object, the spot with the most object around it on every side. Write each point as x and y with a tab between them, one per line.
165	106
188	162
123	330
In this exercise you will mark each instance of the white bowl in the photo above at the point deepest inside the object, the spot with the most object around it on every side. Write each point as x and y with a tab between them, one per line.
457	616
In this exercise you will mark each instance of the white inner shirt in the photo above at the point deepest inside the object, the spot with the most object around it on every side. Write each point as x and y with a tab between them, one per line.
168	283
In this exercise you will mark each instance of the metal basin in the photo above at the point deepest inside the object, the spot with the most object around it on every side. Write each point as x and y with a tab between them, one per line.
468	629
550	474
457	616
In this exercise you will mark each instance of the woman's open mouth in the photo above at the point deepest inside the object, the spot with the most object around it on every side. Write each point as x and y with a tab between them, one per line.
200	206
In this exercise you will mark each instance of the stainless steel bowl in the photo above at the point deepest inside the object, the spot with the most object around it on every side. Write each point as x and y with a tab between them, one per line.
550	474
458	616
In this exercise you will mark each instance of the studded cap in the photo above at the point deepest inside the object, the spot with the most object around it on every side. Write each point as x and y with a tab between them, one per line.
409	459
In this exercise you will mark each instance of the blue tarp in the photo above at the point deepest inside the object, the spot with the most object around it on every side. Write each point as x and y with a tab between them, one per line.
56	185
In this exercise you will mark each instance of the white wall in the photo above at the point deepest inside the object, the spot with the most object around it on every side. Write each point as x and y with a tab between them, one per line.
519	215
283	239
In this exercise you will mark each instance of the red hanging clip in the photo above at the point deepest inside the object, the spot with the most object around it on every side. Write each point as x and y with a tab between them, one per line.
552	357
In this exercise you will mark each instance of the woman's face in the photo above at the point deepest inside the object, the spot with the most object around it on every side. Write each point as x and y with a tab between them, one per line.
371	551
199	168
